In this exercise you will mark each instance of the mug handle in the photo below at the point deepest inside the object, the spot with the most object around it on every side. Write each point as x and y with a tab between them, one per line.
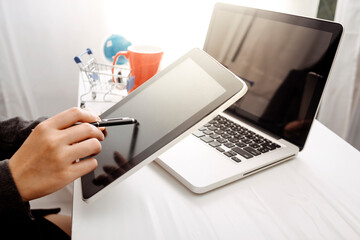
121	53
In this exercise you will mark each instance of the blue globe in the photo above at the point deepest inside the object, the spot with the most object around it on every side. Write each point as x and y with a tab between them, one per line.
114	44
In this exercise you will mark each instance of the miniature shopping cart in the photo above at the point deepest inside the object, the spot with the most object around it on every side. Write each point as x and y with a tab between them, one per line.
101	82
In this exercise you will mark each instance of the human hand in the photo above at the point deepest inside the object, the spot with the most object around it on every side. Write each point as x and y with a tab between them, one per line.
46	161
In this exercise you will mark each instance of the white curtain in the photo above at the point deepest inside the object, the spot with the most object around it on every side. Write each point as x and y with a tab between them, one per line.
340	108
15	98
38	76
38	41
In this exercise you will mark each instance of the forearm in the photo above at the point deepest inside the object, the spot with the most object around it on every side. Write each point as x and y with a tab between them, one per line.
16	219
13	133
12	208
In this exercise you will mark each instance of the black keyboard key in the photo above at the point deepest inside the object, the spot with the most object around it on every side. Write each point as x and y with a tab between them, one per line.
208	132
258	140
252	151
254	145
219	131
230	153
268	146
225	135
233	140
212	128
240	137
246	141
215	144
214	136
202	129
222	140
263	150
236	159
198	134
220	149
240	144
229	145
207	139
242	152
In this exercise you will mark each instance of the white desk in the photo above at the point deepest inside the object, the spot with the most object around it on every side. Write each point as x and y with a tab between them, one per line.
314	196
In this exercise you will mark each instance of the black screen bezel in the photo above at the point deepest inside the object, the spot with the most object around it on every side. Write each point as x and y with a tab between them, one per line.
334	28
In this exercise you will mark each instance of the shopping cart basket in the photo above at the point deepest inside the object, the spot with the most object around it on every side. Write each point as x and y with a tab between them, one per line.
101	79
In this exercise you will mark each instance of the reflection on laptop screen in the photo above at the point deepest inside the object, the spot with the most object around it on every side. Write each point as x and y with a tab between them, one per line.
284	63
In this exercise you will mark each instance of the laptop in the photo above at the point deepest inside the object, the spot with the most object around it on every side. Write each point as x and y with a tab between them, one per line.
285	61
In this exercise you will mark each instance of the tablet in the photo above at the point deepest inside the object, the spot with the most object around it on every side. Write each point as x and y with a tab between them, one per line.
168	107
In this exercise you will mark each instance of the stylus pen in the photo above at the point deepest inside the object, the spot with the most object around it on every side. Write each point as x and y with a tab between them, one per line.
113	122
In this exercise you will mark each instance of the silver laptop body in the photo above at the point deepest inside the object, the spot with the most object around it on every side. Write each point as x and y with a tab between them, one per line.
285	61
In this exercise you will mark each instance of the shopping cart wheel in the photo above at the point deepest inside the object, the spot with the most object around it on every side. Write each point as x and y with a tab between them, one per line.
93	95
82	105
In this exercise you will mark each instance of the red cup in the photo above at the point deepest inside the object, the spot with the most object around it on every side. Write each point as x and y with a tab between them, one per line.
144	62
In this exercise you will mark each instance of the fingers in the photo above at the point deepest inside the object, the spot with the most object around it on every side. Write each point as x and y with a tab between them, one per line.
83	167
70	117
82	132
89	147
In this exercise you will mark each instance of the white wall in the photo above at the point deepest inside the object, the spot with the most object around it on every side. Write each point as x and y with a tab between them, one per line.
48	34
178	26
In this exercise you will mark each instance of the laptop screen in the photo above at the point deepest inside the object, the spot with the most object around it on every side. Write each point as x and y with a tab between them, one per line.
285	61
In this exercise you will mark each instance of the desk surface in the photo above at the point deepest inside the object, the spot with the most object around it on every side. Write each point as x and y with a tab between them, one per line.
314	196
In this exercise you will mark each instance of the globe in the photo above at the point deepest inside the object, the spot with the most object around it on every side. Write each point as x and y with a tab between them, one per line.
114	44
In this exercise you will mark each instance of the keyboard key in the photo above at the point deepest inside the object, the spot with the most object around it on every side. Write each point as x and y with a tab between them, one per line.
242	152
225	135
215	144
252	151
230	153
222	140
214	136
258	140
240	144
220	149
208	132
268	146
207	139
246	141
236	159
229	145
219	131
263	150
254	145
212	128
198	134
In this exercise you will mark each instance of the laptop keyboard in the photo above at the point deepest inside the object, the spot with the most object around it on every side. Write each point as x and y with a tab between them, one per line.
234	140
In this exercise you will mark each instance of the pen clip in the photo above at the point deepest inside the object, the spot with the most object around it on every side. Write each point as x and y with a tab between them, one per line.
112	119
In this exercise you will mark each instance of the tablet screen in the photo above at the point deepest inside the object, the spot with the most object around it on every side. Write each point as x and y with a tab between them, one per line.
164	109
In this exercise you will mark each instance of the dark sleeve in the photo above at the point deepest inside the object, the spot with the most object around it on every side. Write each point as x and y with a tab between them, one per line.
13	133
17	221
13	210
